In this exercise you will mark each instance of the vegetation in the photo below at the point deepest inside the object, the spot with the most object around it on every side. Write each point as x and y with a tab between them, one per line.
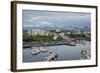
38	38
49	38
82	37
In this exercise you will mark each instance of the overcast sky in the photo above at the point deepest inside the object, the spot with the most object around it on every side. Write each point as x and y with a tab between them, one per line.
32	18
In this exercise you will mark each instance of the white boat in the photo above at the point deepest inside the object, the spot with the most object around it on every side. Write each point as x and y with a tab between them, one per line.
43	49
35	50
51	56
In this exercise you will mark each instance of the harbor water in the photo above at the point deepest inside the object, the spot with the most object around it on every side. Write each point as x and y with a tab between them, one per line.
64	52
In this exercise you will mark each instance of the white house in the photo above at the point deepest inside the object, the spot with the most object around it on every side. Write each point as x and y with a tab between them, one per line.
55	37
62	35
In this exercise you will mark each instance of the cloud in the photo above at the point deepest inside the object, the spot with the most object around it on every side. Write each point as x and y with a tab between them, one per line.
44	22
36	18
27	25
54	19
27	20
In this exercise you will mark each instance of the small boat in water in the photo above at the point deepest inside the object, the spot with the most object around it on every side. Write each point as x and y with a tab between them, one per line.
51	56
85	54
43	49
35	50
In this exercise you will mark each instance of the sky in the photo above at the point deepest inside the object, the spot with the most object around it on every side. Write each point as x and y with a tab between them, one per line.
54	19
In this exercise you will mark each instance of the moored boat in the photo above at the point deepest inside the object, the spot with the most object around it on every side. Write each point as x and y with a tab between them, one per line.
35	50
43	49
51	56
